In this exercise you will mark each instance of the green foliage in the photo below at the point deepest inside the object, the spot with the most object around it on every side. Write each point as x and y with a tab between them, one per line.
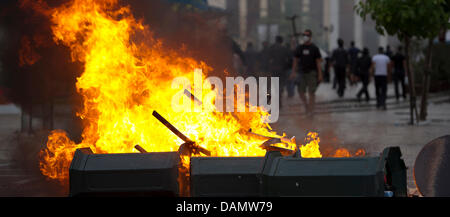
407	18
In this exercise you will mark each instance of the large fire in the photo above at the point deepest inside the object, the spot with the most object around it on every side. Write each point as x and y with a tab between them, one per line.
127	75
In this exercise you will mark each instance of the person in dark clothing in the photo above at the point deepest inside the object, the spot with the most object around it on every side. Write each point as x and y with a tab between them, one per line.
309	57
264	56
239	62
399	72
278	63
326	73
251	57
388	52
237	50
353	52
340	62
362	68
290	86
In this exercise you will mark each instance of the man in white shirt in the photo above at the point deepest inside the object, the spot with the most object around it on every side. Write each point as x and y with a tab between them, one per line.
381	69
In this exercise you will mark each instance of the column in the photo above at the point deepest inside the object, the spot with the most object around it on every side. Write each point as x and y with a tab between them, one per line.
264	8
326	23
358	29
334	21
243	22
305	13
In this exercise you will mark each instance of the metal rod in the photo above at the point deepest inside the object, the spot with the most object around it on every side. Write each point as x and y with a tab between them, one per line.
171	127
188	143
192	97
140	149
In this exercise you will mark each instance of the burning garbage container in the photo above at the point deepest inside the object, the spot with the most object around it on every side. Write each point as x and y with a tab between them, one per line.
282	172
157	174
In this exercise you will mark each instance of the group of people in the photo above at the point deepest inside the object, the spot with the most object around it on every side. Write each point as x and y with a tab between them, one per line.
295	65
301	65
383	67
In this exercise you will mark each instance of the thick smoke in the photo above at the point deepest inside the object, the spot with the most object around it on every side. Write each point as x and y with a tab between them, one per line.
35	68
199	33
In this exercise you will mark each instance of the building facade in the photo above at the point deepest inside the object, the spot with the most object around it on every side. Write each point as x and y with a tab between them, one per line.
261	20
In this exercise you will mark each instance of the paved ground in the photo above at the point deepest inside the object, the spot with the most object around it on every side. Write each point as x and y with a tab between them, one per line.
19	167
340	122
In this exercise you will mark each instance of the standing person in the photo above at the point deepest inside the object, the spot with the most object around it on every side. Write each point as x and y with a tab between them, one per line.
264	59
251	57
278	63
290	83
309	57
399	72
389	51
340	63
353	53
326	76
362	68
239	62
381	69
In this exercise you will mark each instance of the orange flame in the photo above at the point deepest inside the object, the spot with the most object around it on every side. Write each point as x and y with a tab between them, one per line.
342	152
311	149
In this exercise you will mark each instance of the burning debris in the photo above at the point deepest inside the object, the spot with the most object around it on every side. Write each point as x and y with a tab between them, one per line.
189	147
191	172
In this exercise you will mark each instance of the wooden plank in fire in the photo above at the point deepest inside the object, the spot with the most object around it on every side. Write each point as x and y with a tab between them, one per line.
188	142
140	149
192	97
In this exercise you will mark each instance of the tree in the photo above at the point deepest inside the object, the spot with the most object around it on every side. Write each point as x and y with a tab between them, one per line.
407	19
442	22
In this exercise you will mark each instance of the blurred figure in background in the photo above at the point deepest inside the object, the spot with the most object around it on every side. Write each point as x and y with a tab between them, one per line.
309	57
278	63
251	57
264	60
388	51
399	72
362	70
326	72
381	69
291	83
239	62
340	62
353	53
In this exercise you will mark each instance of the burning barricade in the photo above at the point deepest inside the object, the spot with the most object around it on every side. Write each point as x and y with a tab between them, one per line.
191	172
126	150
